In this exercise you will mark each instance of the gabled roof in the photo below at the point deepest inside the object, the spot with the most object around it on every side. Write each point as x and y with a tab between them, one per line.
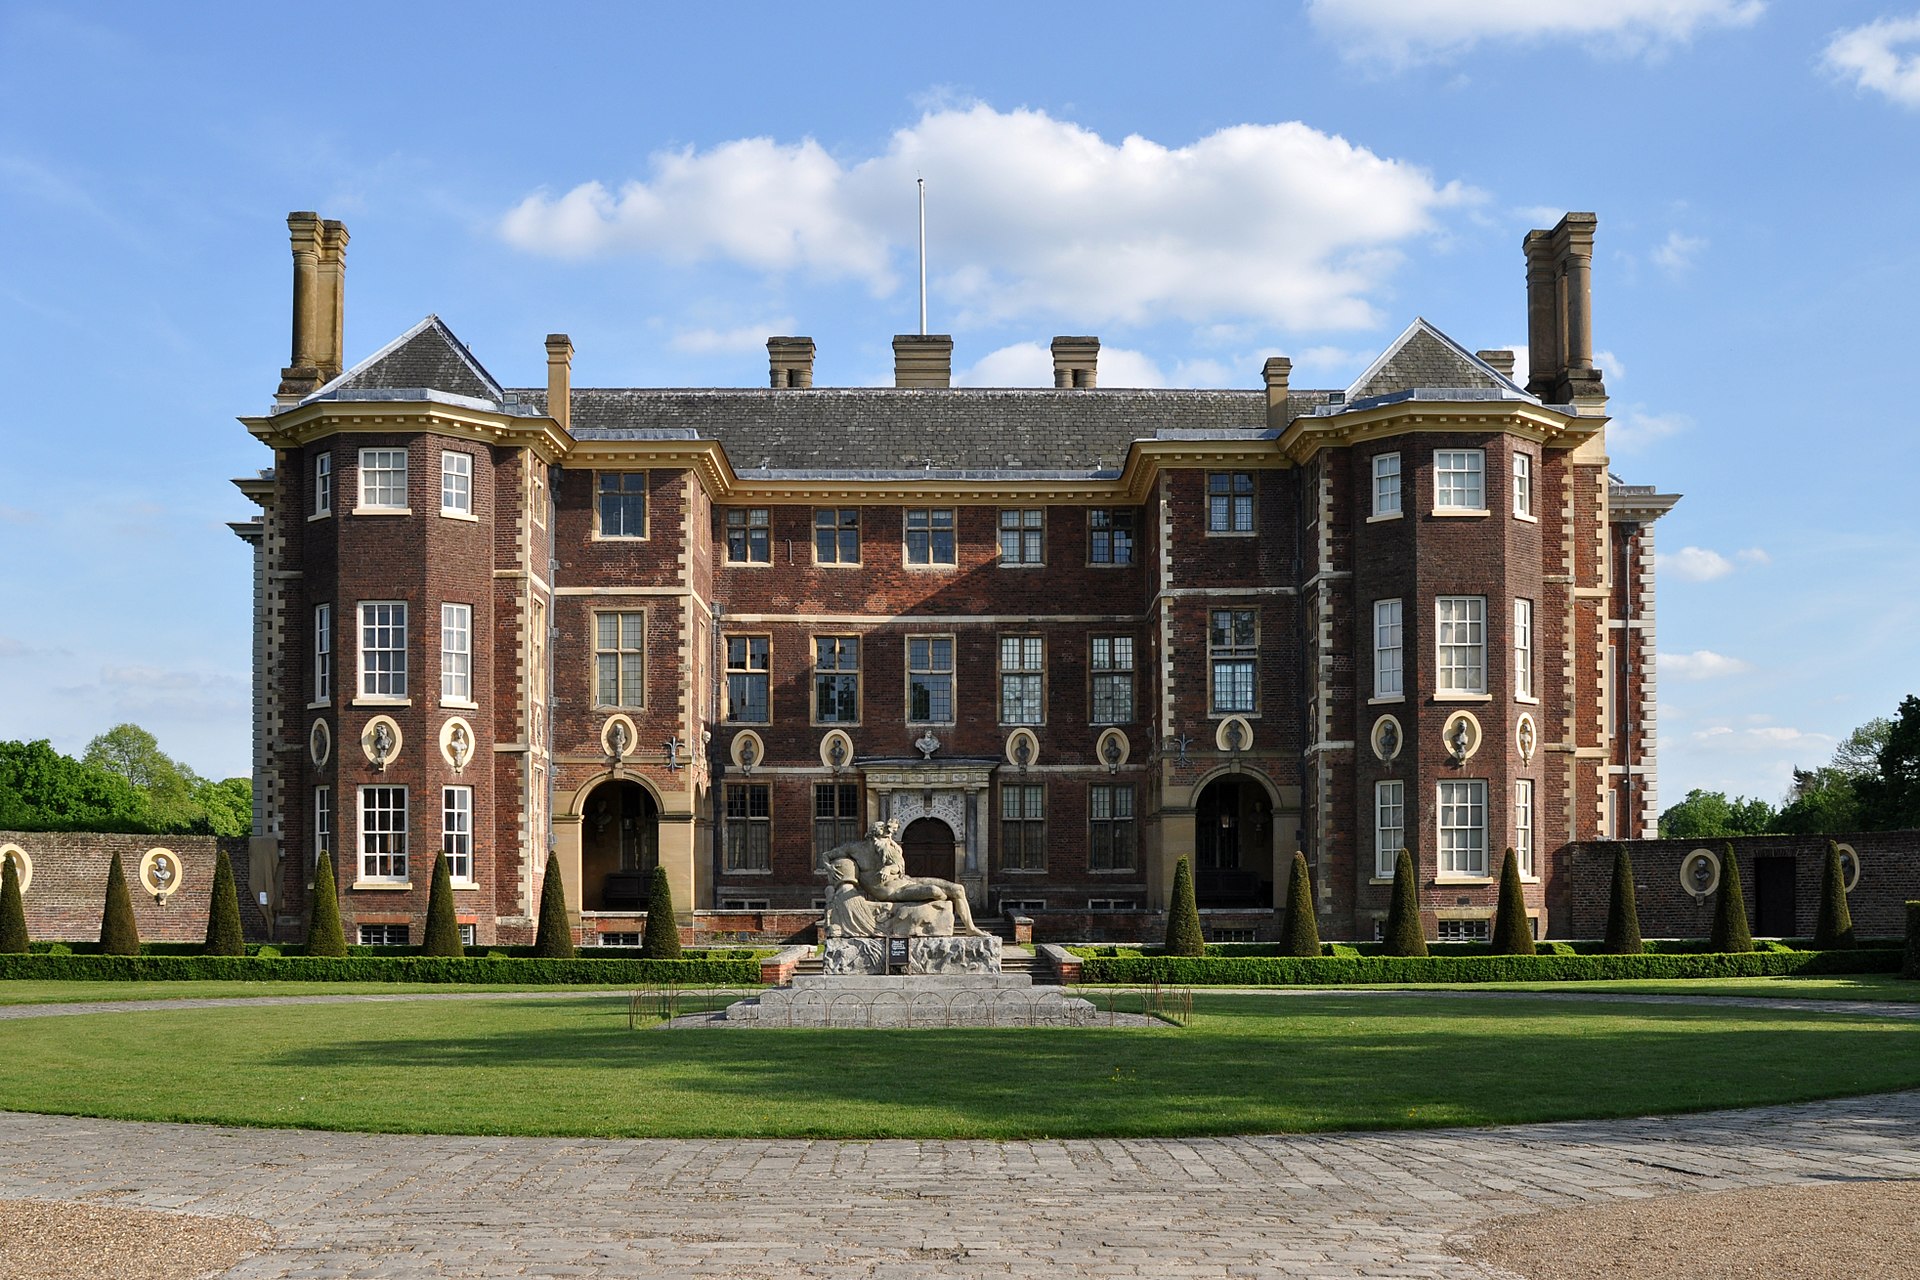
426	357
1423	358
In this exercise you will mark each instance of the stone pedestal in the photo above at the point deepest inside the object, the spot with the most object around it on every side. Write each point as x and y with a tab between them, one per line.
912	1000
867	956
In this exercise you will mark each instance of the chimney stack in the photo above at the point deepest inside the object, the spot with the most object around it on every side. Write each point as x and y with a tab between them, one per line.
560	380
1501	359
790	362
1277	372
923	360
1076	362
319	304
1560	312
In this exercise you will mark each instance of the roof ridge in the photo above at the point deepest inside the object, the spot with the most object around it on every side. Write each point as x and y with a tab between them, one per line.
432	323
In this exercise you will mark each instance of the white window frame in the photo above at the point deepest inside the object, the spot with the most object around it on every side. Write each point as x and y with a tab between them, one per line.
627	663
322	485
932	524
456	484
456	832
456	655
1523	485
1463	929
323	654
1460	645
1023	532
383	844
1460	818
1389	650
746	522
1523	827
1523	650
1023	680
1386	486
378	935
836	665
383	485
1460	480
830	529
753	672
1389	826
322	821
622	493
394	674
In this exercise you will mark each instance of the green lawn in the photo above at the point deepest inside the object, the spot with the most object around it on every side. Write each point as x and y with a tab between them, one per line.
1253	1063
1863	986
29	992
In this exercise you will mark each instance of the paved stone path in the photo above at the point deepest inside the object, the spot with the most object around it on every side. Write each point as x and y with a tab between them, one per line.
1350	1205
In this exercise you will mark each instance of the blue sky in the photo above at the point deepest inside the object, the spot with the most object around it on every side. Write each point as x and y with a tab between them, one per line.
670	187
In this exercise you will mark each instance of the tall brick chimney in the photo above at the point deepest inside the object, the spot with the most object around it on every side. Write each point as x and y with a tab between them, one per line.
1560	312
1277	373
1076	362
560	380
790	362
319	304
923	360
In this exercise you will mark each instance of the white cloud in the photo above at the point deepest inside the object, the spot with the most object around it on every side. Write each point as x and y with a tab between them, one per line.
1755	556
1029	215
1768	738
1702	664
1676	253
1407	31
1609	364
1634	430
1693	564
736	341
1028	364
1871	57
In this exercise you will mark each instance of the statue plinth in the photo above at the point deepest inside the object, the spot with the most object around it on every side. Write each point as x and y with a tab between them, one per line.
845	956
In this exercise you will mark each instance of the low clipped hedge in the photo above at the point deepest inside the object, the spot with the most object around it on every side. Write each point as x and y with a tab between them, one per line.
493	952
1276	971
493	969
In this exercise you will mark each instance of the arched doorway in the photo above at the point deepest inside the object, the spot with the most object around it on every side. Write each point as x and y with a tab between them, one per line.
927	846
619	846
1233	844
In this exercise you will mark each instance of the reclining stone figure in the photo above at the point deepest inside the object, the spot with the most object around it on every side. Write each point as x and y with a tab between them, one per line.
873	896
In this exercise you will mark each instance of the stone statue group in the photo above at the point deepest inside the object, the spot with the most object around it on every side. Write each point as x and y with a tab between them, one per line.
872	896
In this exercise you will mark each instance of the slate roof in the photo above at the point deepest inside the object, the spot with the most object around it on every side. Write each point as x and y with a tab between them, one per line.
426	357
1423	359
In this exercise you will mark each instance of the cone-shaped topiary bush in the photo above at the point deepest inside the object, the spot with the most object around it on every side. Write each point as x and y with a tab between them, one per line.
1623	916
1911	969
1512	933
1405	935
554	941
324	936
1183	916
13	910
119	935
1300	934
1834	930
223	913
1730	931
661	941
443	930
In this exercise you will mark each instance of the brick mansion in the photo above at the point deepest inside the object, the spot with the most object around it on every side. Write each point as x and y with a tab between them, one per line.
1063	637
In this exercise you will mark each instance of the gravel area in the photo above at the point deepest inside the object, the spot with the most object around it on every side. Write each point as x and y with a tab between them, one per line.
1825	1231
68	1240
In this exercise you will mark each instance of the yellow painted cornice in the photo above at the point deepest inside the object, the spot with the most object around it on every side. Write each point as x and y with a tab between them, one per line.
309	422
1305	437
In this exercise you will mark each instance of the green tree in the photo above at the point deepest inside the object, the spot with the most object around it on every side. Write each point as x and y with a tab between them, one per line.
42	790
554	941
119	935
1730	931
223	913
1707	815
1890	795
1300	932
324	934
13	909
661	941
1623	915
1512	932
226	807
130	752
1406	935
443	930
1834	929
1826	800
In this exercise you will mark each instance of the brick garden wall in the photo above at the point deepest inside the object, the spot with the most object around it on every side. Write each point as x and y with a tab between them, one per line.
68	892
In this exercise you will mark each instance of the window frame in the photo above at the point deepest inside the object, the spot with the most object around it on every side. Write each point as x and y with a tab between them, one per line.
1523	486
839	671
746	527
747	846
1451	797
1523	825
322	485
456	832
395	854
619	655
458	510
456	664
1444	487
397	676
1026	832
1443	673
323	654
931	532
1385	467
1389	800
1113	675
322	822
1523	686
831	830
748	673
1116	825
1231	520
1031	674
600	494
368	470
1120	535
933	671
1389	660
1219	656
1028	528
386	938
836	527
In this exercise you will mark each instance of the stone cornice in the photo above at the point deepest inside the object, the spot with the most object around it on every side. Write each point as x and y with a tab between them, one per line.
1305	437
309	422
